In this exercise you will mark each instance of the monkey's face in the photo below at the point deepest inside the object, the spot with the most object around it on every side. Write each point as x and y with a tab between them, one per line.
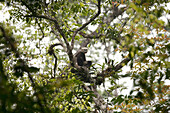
84	50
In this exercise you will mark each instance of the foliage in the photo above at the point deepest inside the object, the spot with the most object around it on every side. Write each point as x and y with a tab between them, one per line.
40	40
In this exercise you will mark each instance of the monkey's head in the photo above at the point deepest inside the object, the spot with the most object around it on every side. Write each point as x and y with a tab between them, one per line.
84	49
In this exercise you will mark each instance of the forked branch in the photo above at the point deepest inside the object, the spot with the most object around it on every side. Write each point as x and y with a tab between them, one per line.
87	23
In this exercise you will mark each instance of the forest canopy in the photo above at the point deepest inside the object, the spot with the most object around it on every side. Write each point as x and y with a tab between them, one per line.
58	56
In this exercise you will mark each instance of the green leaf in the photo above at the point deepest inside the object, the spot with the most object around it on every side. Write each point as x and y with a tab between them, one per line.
33	69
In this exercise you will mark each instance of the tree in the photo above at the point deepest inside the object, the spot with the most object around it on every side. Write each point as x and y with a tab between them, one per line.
40	41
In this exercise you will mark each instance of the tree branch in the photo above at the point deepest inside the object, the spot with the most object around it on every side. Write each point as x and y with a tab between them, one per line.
24	3
98	100
69	49
121	64
91	36
110	71
85	24
61	42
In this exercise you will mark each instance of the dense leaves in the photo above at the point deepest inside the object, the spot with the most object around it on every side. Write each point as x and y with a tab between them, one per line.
40	40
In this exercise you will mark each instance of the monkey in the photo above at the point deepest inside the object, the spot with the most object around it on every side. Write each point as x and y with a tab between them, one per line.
81	59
